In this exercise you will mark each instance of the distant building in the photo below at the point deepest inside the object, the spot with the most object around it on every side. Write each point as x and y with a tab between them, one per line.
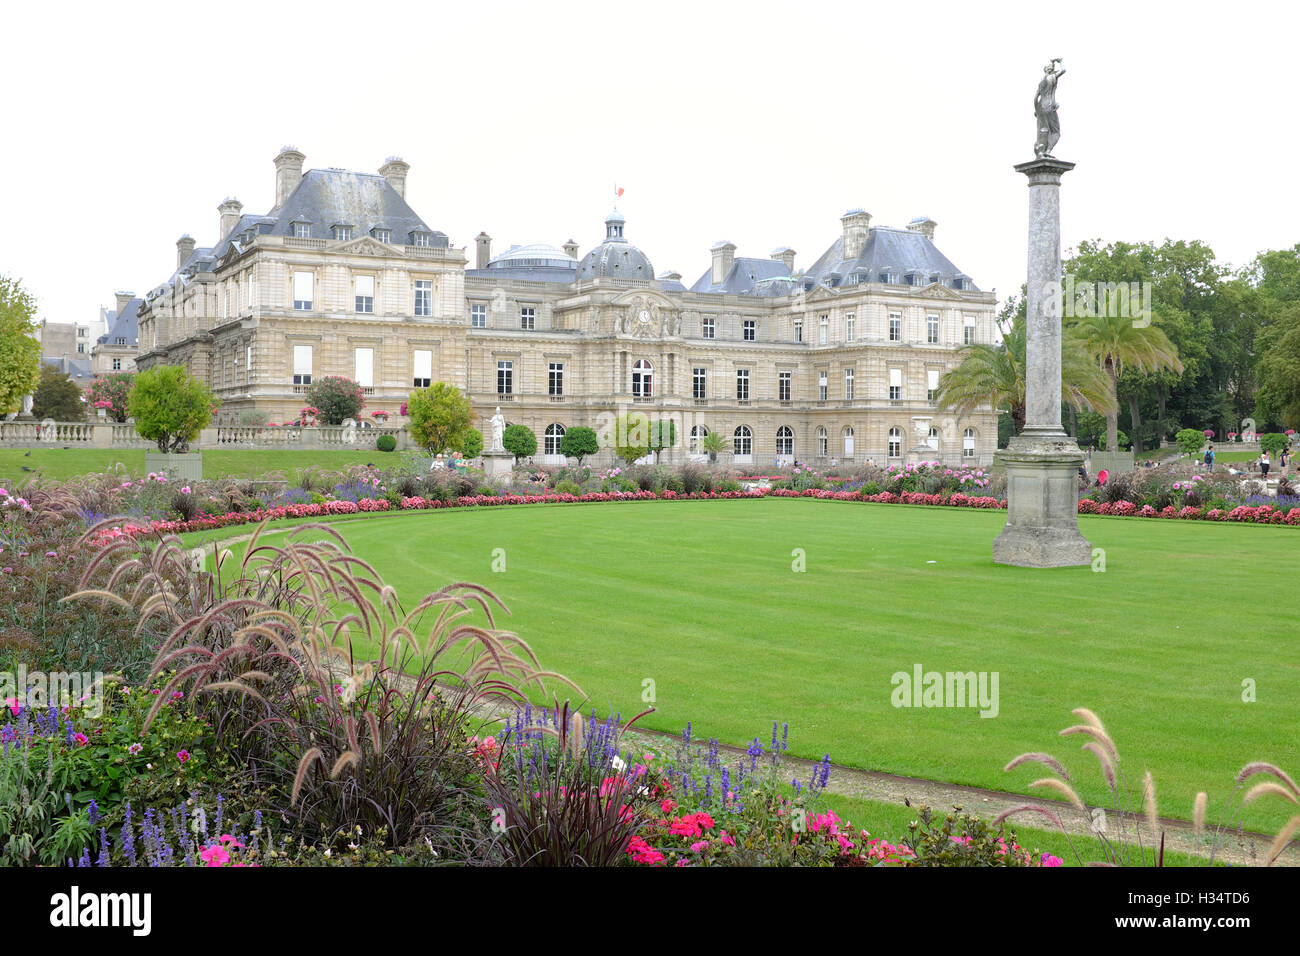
115	350
341	277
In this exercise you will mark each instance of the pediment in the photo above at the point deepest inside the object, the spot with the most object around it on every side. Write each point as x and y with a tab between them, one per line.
367	246
820	293
936	290
644	298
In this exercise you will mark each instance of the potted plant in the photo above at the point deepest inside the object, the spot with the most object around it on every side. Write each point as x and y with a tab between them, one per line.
170	408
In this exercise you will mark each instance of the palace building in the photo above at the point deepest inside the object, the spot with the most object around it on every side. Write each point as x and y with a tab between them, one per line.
837	361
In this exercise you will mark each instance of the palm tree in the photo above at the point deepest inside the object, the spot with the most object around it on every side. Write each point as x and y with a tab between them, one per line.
1114	342
713	443
994	375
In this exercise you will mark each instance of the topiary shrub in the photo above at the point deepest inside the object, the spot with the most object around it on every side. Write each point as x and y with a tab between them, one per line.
1190	440
1272	443
386	443
579	442
336	398
170	407
520	441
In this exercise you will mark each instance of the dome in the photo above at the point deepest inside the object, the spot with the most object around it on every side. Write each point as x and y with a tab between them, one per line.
615	258
535	254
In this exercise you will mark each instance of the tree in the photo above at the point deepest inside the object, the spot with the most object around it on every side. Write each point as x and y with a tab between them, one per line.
663	434
58	397
1190	440
20	352
472	446
114	388
337	398
713	444
440	418
1278	396
520	441
1273	442
170	407
579	442
994	375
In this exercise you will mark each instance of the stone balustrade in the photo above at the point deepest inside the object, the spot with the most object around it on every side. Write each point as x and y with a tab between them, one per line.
102	434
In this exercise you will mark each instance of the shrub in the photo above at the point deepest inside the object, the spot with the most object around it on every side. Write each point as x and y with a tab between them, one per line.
385	443
960	839
440	418
567	487
57	397
729	484
1273	442
336	398
579	442
170	407
472	446
520	441
115	389
1190	440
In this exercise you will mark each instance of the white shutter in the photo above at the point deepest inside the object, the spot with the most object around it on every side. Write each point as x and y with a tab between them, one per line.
302	360
365	367
366	286
302	286
423	363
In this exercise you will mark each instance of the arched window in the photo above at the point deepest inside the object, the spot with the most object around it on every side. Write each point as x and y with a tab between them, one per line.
642	373
895	443
822	443
551	442
743	441
933	439
698	433
968	443
784	441
848	442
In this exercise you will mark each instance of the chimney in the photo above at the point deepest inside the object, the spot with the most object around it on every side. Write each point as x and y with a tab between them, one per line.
724	254
924	225
229	210
288	173
786	255
856	225
484	242
571	249
395	170
122	299
184	249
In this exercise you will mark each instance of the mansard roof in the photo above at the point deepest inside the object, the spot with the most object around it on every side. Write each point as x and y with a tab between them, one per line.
898	251
124	325
769	277
365	200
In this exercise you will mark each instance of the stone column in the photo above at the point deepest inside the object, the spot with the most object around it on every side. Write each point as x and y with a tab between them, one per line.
1042	462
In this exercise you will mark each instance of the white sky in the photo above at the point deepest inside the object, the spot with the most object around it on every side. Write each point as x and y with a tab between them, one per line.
757	122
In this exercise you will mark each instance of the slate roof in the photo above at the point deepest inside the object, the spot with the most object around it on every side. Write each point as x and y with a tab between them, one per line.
74	368
899	251
124	325
749	277
364	200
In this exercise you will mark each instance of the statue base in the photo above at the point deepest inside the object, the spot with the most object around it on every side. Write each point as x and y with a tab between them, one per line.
498	464
1042	529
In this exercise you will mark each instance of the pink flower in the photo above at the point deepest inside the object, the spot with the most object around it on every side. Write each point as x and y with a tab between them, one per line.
135	748
182	755
700	847
215	855
81	739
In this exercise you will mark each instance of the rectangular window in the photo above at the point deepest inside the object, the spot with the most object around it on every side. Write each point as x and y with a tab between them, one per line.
384	235
424	297
823	329
932	329
365	364
82	333
248	364
821	386
505	378
528	318
365	288
931	384
699	383
895	384
783	386
798	330
81	347
302	230
895	443
850	327
119	341
707	327
422	368
421	240
478	316
556	384
342	233
969	332
750	328
848	384
252	289
895	327
302	365
302	289
117	365
742	384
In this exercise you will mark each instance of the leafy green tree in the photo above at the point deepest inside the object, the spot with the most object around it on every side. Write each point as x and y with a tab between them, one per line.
579	442
714	443
1273	442
1278	397
170	407
1190	440
520	441
440	418
58	397
114	388
632	436
20	352
472	446
994	375
337	398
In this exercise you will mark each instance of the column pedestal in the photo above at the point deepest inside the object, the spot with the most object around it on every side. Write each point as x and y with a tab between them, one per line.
498	464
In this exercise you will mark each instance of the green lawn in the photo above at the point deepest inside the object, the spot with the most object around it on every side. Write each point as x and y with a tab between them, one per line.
63	463
700	598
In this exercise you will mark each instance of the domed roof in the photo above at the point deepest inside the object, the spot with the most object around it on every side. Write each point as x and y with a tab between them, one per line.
533	254
615	258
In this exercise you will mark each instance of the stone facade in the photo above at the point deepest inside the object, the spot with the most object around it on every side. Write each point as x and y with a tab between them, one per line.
560	342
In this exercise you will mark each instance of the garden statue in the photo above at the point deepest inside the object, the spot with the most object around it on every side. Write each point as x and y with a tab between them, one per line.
498	422
1049	127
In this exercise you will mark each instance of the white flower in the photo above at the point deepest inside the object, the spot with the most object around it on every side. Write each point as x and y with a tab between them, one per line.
618	764
327	853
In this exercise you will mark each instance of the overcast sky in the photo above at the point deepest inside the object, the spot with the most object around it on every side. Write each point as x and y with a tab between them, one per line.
759	123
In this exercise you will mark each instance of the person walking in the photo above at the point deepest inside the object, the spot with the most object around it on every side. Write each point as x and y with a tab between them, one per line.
1263	464
1209	457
